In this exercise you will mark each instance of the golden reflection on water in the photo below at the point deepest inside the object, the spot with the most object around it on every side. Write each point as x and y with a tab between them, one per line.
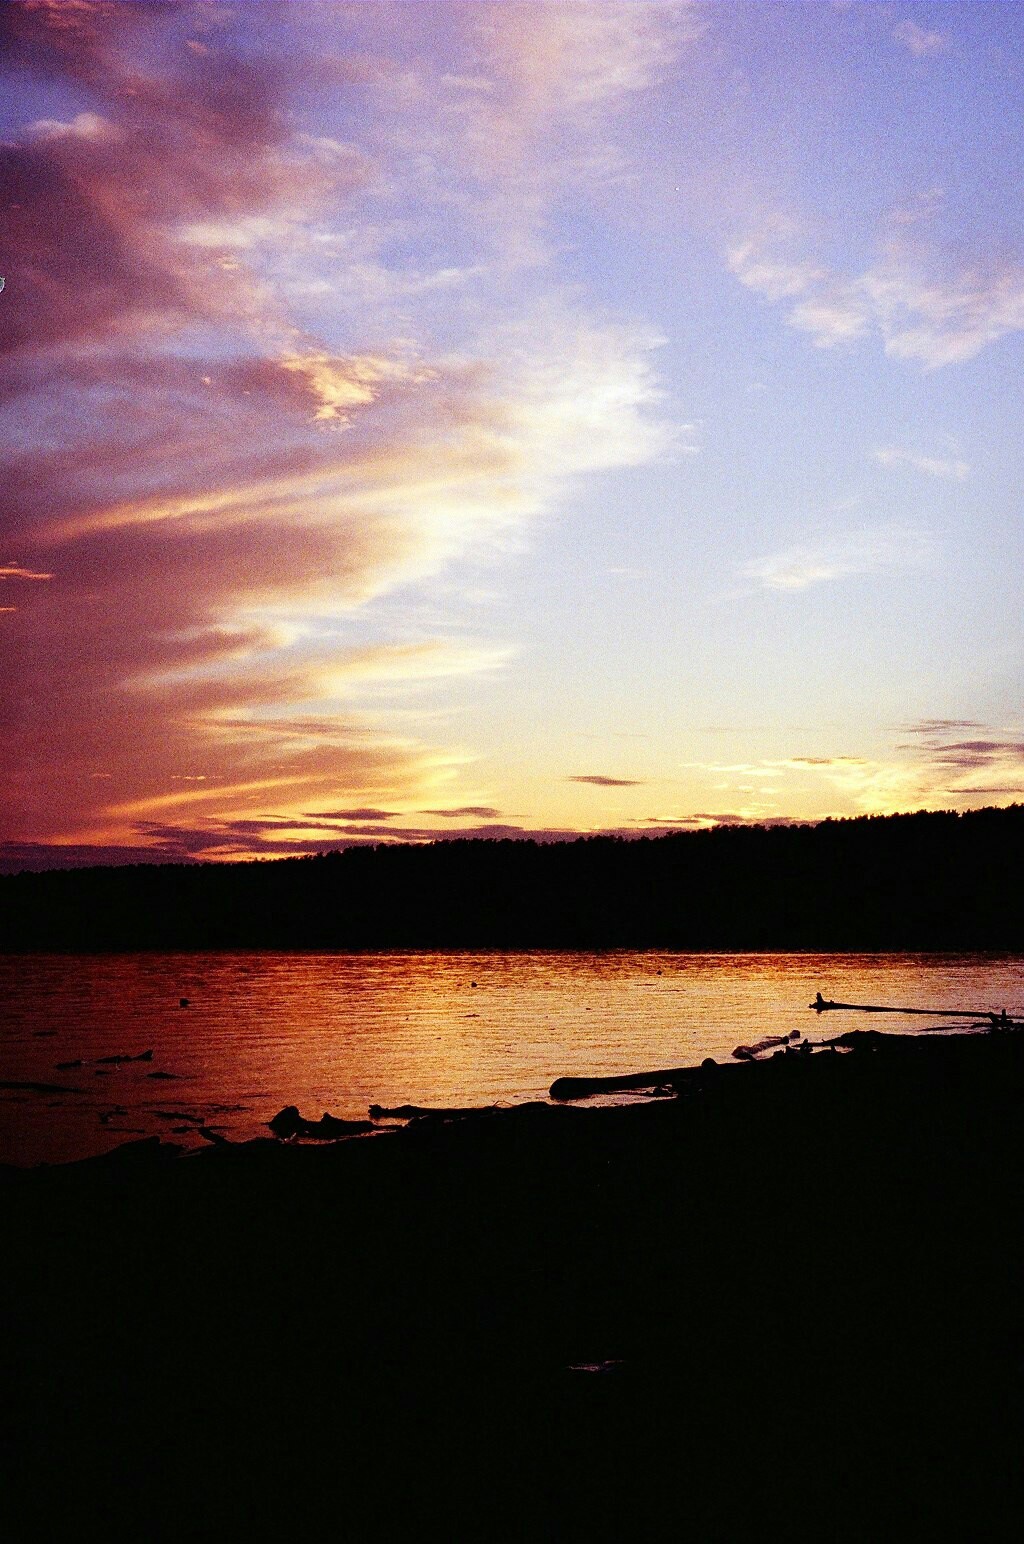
339	1032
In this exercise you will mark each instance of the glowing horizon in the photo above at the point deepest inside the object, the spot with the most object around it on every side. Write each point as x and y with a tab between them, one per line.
505	418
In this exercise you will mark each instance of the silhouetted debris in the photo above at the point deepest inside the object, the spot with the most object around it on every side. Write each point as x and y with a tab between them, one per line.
288	1124
613	1365
215	1135
681	1079
583	1087
183	1002
169	1076
869	1040
145	1149
994	1019
42	1088
114	1061
424	1112
752	1052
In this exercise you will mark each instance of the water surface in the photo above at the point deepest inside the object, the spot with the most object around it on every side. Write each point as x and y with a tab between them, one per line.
338	1032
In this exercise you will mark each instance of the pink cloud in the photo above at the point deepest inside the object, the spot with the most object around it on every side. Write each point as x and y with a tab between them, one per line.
132	657
208	485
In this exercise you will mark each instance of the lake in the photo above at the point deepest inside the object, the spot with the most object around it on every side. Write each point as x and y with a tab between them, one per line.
338	1032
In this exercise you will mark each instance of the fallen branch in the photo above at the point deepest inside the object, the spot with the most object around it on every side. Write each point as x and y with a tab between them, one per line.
1001	1020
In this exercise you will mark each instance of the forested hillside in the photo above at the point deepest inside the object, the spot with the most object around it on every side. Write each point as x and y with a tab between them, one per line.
922	881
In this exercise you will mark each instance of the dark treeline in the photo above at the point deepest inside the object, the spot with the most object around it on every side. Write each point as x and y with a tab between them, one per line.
921	881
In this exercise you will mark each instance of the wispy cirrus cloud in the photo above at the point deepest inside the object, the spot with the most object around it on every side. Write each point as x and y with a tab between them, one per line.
922	42
980	767
971	755
15	571
942	765
870	550
705	820
920	306
946	467
941	726
754	264
351	816
556	57
931	771
545	81
598	780
466	812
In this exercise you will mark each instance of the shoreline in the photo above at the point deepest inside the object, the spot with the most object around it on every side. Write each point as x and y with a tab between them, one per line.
791	1293
341	1033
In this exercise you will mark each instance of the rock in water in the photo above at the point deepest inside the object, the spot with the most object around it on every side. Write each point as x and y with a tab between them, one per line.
287	1122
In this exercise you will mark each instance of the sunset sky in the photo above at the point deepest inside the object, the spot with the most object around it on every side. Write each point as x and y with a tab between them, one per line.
426	419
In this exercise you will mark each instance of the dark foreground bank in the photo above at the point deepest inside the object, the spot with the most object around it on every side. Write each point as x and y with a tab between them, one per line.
785	1304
